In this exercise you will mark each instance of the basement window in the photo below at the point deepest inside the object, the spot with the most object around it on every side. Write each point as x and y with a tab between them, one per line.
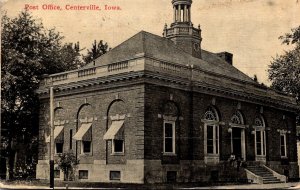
56	173
115	175
171	176
83	174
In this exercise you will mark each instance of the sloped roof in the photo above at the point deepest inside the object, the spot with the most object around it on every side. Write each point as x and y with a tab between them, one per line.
164	49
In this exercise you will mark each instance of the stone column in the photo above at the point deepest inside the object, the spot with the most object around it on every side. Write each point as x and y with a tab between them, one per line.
189	10
184	13
179	13
174	15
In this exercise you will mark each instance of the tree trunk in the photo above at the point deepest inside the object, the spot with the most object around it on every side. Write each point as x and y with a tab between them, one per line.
11	164
7	168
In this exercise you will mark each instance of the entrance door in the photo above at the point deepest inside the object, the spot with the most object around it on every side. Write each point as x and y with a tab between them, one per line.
237	142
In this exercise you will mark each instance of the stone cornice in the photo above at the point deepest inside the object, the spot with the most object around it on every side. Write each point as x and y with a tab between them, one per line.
201	82
165	79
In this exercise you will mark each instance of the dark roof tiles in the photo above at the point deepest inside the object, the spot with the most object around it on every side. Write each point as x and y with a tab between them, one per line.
164	49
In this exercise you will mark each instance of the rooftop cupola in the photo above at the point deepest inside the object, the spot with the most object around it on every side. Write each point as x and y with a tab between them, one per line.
182	10
182	31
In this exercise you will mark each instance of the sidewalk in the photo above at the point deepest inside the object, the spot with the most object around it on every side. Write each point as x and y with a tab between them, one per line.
293	185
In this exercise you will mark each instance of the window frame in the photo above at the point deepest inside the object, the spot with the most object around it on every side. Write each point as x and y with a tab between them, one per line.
216	140
113	147
80	177
211	119
62	148
82	147
56	174
116	179
259	126
284	145
173	138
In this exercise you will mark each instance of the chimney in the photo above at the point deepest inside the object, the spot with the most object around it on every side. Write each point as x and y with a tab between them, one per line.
226	56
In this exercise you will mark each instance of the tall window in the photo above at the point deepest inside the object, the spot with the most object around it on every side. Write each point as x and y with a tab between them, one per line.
260	136
169	137
283	145
211	131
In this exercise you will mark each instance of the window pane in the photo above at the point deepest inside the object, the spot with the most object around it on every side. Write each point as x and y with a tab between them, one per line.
281	140
115	175
217	139
282	150
59	148
282	145
210	149
258	148
168	130
83	174
168	145
118	145
86	146
258	143
263	144
56	173
210	133
210	146
258	136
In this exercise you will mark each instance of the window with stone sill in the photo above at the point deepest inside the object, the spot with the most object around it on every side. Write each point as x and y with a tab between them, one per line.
260	136
59	148
117	146
283	145
86	147
169	137
211	130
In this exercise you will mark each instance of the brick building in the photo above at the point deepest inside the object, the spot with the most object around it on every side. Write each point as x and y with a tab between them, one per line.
157	109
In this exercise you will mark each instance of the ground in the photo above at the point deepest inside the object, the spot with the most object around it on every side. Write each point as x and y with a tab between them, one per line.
44	185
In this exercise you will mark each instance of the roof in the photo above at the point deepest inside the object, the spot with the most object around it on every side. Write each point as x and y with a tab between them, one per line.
165	49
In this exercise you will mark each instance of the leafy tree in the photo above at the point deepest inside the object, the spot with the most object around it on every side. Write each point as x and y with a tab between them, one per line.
67	162
28	51
284	71
96	51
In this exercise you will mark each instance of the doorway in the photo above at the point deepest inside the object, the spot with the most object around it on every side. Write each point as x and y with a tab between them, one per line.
238	142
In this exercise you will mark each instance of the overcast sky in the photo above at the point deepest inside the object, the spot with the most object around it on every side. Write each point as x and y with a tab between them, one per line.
247	28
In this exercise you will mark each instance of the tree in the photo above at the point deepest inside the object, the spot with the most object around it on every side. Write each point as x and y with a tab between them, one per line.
28	51
284	71
96	51
67	162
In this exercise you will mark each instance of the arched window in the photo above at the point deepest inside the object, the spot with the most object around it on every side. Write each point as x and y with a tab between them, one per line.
260	136
238	137
115	134
211	131
237	118
211	114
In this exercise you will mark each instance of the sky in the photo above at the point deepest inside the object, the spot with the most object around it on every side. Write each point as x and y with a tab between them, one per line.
249	29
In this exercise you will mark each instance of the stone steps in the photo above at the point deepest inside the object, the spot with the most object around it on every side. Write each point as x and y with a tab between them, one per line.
266	175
